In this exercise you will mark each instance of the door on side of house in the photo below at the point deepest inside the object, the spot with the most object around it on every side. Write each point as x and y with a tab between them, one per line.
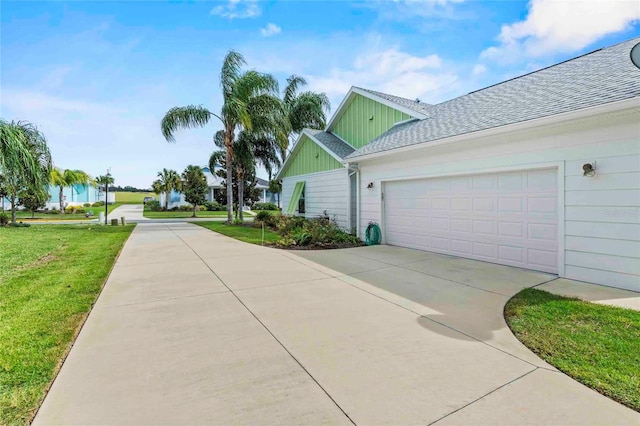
509	218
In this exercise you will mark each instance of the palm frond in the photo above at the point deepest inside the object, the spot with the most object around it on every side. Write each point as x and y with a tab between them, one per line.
230	72
294	82
187	117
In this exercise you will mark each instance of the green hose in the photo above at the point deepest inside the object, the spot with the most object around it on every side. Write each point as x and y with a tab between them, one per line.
373	234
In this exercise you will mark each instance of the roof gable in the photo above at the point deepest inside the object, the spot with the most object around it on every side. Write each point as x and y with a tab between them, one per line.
310	155
363	117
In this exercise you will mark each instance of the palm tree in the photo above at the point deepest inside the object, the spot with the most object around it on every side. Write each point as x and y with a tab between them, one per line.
302	110
168	180
67	178
245	95
25	159
105	180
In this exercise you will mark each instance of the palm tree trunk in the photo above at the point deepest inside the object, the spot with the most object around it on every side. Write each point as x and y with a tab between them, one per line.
166	199
240	174
61	199
13	208
229	165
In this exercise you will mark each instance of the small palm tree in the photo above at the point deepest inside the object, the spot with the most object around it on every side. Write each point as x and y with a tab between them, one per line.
168	180
67	178
302	110
25	159
245	95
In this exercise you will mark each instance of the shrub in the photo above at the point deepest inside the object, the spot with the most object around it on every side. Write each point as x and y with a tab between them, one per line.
4	219
81	211
153	206
214	206
186	208
86	205
262	216
320	232
98	204
265	206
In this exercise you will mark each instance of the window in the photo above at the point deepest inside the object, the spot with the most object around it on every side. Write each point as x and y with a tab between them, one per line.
301	206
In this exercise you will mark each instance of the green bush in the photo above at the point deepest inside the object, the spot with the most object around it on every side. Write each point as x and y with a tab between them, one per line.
86	205
262	216
265	206
214	206
320	232
153	206
4	219
80	211
98	204
19	225
186	208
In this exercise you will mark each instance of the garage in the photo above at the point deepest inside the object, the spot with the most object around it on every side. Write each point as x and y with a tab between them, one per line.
510	218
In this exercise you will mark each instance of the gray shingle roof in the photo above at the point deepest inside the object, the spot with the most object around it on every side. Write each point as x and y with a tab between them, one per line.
332	142
604	76
411	104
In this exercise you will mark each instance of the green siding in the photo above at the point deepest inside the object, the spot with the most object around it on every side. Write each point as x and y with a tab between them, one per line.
310	158
355	126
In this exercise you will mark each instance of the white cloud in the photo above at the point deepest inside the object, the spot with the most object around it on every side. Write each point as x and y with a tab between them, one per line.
390	71
562	26
270	30
238	9
479	69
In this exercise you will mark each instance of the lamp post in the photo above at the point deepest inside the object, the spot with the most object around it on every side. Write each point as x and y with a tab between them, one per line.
106	196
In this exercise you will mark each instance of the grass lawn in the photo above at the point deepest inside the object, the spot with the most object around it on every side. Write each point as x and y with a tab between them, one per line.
597	345
26	216
167	215
247	234
49	278
132	197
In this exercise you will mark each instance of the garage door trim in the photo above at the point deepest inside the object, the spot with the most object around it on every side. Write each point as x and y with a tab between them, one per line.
559	166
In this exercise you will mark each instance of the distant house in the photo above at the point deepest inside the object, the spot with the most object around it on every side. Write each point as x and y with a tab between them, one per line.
540	171
215	183
76	195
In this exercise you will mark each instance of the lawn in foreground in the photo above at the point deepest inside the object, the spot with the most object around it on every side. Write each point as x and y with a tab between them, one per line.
182	215
50	276
597	345
247	234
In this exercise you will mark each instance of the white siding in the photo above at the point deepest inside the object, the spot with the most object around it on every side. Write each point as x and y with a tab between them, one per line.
323	191
599	217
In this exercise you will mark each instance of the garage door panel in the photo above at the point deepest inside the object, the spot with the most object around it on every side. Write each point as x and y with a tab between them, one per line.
508	218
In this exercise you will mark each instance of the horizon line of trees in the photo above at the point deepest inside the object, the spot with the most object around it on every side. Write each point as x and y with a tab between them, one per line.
258	123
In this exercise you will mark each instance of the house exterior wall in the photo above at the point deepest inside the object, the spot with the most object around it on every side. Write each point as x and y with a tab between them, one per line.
599	223
355	125
310	158
323	191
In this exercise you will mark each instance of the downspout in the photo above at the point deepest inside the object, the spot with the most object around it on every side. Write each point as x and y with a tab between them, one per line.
354	169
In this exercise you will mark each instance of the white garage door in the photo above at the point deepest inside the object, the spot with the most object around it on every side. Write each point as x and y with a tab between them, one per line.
509	218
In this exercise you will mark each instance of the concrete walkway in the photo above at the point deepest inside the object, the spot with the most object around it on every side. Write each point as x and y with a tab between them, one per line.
197	328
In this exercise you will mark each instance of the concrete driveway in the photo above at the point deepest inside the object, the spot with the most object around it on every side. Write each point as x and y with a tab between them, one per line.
197	328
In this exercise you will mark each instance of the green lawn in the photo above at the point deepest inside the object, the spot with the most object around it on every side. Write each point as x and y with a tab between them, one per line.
247	234
26	216
133	197
595	344
167	215
49	278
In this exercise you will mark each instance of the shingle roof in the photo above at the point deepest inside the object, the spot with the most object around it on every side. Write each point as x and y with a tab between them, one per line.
600	77
331	142
411	104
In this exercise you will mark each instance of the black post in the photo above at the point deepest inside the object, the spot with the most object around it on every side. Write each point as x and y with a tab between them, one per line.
106	196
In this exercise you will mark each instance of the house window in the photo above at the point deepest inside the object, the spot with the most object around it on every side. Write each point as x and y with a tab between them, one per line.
301	206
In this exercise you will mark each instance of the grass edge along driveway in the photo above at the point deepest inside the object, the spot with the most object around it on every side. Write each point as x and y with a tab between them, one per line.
597	345
50	278
247	234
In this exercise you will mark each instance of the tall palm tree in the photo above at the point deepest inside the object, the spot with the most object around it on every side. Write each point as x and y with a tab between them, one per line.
168	180
25	159
68	178
245	94
302	110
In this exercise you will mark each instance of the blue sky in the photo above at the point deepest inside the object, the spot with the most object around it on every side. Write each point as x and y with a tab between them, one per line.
97	77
